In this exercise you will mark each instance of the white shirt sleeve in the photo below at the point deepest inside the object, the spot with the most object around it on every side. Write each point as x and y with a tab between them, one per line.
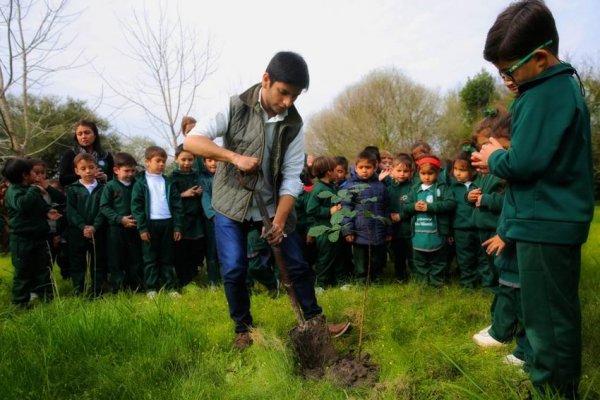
214	125
293	163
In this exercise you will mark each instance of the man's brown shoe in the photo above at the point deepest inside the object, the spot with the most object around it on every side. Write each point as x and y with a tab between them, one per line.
337	330
242	341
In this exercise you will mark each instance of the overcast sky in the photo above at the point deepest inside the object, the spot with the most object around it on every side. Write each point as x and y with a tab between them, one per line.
437	43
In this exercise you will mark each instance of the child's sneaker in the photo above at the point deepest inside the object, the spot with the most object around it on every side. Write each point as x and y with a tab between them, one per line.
33	296
512	360
485	330
152	294
484	339
174	294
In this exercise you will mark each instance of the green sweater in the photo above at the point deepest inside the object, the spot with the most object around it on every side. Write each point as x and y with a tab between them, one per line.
193	216
318	209
140	204
550	195
462	218
26	211
441	207
115	202
492	198
398	192
83	208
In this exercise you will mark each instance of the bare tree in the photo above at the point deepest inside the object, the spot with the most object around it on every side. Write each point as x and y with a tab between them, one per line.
385	109
172	68
32	38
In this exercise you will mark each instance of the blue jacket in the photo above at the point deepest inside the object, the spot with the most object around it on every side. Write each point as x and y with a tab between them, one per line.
365	228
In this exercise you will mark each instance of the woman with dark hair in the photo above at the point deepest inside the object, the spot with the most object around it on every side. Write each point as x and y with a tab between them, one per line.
87	140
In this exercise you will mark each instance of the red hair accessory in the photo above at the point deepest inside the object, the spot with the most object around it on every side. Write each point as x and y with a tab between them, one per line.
429	160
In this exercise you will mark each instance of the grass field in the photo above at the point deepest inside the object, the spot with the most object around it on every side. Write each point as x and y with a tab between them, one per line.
130	347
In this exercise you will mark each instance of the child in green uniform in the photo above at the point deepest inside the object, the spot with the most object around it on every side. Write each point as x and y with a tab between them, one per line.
86	231
341	175
430	203
213	268
329	269
465	234
550	200
27	214
157	209
189	251
398	187
123	241
57	200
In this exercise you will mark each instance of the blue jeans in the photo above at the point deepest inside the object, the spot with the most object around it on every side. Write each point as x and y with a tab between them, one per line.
232	250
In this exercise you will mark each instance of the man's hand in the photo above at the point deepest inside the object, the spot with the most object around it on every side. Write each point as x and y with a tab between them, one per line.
245	163
273	236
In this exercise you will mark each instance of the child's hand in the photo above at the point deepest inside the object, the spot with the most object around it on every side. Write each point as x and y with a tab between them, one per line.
191	192
473	194
349	238
101	176
53	215
128	221
310	239
88	231
395	217
494	245
480	158
383	174
177	236
145	236
335	209
478	202
421	206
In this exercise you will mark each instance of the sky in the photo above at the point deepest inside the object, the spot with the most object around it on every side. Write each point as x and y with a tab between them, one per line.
437	43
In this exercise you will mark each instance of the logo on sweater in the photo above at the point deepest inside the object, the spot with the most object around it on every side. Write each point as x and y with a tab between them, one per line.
429	198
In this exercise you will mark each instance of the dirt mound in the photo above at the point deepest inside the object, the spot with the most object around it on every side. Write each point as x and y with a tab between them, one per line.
352	371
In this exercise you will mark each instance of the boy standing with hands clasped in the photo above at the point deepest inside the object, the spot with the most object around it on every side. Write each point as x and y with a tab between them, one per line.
157	209
550	201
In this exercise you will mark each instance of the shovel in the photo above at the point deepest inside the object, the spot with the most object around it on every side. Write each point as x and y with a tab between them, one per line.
311	338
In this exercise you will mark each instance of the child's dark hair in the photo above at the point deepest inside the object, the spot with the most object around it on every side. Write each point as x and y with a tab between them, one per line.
322	165
39	161
180	150
403	159
154	151
84	157
518	30
369	156
375	151
289	67
343	161
429	159
464	153
501	128
420	144
15	168
124	160
491	116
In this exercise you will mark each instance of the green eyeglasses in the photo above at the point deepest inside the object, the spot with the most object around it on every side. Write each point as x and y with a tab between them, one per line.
508	72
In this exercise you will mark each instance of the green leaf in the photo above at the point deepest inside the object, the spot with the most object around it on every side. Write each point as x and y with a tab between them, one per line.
337	218
368	214
316	231
325	194
334	236
369	200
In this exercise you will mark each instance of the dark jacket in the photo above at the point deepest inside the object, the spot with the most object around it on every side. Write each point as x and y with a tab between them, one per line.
115	202
26	211
83	208
492	198
66	169
140	203
398	192
550	196
369	199
462	217
318	209
193	216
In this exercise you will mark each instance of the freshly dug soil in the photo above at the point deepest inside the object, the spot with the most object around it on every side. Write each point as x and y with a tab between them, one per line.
352	371
313	346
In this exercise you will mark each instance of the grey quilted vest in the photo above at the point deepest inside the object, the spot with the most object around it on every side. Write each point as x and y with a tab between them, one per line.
246	136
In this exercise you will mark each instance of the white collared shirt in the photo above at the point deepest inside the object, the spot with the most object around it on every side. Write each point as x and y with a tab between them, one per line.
159	205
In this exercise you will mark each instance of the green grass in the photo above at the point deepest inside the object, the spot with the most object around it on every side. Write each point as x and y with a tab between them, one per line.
129	347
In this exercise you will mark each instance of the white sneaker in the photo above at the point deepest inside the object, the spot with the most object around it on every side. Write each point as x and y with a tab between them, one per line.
484	339
33	296
319	290
175	295
485	330
512	360
346	287
152	294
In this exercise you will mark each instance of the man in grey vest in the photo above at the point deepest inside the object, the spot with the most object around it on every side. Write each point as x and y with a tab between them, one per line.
263	151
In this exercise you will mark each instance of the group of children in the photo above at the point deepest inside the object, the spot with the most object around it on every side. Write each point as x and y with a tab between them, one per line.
140	230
